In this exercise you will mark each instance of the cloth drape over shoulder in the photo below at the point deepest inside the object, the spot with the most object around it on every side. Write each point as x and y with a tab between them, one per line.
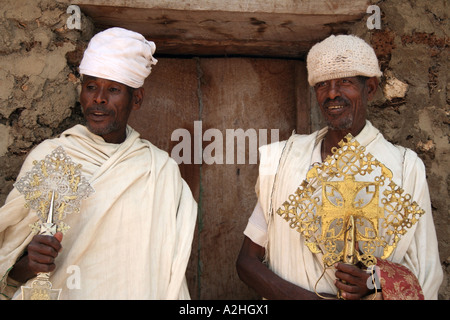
132	237
284	166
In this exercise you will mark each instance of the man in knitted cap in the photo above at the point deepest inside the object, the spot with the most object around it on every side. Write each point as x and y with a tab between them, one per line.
131	238
279	262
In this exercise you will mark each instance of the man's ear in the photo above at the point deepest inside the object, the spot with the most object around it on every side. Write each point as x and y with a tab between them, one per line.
372	86
137	98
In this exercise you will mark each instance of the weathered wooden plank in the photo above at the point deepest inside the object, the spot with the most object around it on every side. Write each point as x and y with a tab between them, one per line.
270	6
303	99
188	25
269	28
247	94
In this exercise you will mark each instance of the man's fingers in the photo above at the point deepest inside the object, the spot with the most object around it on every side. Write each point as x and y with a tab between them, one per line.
37	249
350	296
47	245
51	241
351	280
348	268
58	236
40	263
42	252
347	287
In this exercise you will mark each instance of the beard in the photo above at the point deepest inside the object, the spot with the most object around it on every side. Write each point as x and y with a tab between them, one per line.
104	128
338	122
342	124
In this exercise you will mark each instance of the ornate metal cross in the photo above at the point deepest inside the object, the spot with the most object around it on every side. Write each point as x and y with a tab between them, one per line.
54	187
344	223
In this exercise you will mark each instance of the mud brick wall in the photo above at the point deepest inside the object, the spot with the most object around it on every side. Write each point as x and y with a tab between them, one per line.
39	56
412	107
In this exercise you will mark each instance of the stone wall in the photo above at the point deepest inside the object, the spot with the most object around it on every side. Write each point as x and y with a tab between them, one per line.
412	46
39	56
39	87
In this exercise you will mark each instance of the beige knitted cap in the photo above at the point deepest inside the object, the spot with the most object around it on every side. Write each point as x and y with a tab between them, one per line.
341	56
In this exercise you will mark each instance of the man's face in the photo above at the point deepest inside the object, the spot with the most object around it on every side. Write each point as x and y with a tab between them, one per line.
343	102
106	107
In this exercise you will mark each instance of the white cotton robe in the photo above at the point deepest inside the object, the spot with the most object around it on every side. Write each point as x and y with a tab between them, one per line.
282	169
132	237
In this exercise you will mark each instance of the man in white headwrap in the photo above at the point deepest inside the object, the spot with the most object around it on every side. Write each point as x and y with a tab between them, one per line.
132	237
274	259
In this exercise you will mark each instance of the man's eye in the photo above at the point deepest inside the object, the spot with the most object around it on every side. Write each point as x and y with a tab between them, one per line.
90	87
114	90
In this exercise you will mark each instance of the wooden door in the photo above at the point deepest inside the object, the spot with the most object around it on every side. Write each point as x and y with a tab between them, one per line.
217	99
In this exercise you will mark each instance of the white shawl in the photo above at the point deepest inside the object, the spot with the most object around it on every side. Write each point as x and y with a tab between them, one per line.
132	238
284	166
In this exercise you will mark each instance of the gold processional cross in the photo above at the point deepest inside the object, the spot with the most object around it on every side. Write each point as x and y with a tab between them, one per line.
359	208
54	188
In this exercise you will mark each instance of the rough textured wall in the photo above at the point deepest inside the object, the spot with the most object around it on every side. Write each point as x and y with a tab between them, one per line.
39	82
38	78
412	46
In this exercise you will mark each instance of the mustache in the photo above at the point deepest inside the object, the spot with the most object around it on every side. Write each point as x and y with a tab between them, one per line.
99	108
336	101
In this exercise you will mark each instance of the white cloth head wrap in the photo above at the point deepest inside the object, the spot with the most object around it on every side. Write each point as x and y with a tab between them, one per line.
120	55
341	56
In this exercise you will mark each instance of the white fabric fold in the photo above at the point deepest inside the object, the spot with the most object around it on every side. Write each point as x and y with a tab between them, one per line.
131	239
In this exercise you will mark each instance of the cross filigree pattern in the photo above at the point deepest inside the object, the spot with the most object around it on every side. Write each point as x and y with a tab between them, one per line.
351	189
58	175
